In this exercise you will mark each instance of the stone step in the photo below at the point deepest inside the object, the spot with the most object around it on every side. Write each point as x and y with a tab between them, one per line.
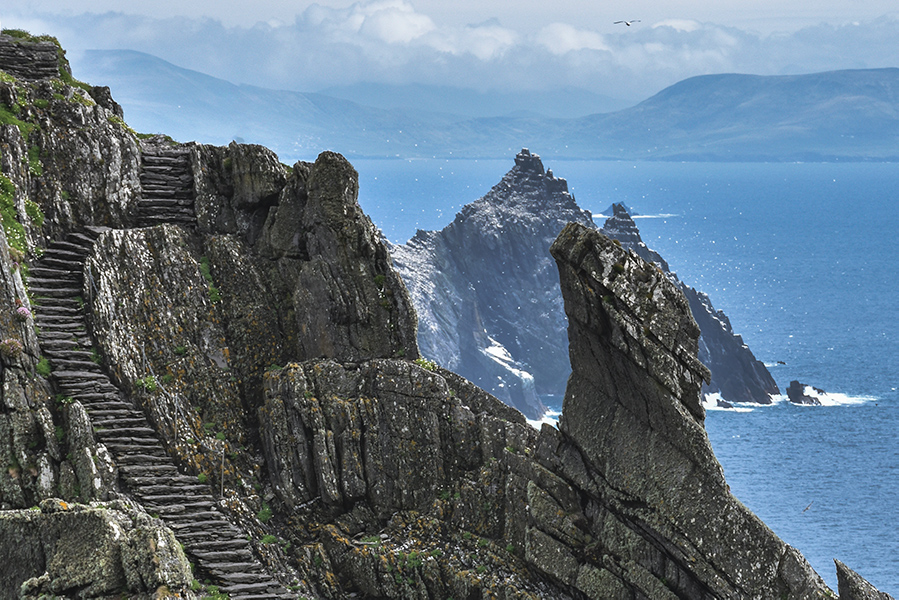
70	328
58	348
226	567
173	500
123	451
134	432
223	531
60	302
182	507
171	157
209	547
150	489
145	470
95	231
80	365
49	262
64	254
53	282
233	577
114	413
171	179
103	400
218	526
56	292
159	188
242	555
39	272
140	444
82	387
75	377
166	212
121	423
79	355
61	311
153	220
173	481
139	457
79	249
85	240
164	203
191	516
268	587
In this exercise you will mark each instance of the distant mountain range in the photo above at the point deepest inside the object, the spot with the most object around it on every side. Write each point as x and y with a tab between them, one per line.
836	116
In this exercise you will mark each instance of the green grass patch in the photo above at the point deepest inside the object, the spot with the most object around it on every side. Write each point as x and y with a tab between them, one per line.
265	514
15	232
43	367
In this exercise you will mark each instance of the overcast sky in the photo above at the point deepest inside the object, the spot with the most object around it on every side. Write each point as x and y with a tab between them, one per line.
480	44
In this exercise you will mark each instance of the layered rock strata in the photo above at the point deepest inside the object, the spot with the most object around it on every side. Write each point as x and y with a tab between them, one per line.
735	372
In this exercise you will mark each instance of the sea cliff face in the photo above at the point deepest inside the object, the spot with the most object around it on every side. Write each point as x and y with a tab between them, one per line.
217	362
486	290
489	303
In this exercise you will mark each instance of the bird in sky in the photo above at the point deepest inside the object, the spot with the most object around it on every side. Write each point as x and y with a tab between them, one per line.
628	23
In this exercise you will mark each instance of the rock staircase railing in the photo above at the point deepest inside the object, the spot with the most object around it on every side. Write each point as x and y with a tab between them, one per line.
167	188
147	472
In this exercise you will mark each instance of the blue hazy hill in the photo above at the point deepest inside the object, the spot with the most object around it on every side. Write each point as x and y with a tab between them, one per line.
840	115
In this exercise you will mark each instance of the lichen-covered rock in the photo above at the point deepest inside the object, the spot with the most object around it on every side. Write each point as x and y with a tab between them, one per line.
93	465
79	551
633	412
335	271
853	586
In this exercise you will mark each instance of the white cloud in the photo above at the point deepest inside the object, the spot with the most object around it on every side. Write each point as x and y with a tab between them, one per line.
388	21
686	25
561	38
391	41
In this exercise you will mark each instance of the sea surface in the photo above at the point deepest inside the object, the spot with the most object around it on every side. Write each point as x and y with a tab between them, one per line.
804	260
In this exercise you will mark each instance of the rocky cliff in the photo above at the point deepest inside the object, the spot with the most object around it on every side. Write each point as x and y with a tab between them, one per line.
213	350
486	291
736	375
489	303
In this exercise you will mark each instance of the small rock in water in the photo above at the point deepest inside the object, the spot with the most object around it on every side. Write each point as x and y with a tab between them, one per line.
798	393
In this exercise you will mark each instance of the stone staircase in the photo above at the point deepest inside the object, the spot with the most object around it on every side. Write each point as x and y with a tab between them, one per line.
218	548
167	188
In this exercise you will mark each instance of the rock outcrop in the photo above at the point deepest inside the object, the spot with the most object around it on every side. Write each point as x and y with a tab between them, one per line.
241	361
74	550
853	586
736	375
486	290
800	393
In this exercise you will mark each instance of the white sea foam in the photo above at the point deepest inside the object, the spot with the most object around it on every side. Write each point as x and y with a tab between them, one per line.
834	398
710	402
550	417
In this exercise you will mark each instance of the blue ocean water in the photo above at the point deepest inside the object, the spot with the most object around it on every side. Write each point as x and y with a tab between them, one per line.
804	260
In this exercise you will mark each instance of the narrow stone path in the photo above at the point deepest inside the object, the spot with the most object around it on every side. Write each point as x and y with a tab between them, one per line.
167	188
217	547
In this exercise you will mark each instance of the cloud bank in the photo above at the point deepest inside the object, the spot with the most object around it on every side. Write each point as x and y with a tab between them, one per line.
389	41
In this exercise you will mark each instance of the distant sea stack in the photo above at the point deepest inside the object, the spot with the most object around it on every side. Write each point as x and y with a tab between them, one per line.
487	291
488	301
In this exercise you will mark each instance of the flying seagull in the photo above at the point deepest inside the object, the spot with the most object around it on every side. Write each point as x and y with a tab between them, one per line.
628	23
